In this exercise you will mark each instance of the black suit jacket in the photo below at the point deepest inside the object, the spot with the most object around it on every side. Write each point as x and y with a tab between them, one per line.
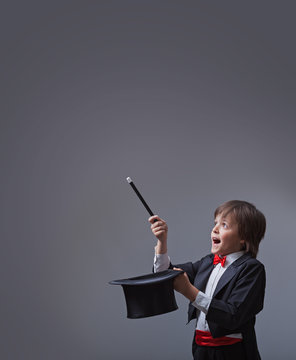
237	299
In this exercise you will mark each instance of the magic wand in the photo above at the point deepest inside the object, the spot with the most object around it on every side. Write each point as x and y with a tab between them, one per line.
129	180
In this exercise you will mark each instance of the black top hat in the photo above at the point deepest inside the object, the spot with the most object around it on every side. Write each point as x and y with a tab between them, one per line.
149	295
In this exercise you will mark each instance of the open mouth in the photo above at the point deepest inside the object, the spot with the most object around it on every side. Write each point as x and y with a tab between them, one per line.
216	241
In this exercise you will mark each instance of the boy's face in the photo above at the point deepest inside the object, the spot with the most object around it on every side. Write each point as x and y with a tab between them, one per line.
225	237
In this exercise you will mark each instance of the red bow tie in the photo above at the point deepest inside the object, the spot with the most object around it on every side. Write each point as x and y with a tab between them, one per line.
218	259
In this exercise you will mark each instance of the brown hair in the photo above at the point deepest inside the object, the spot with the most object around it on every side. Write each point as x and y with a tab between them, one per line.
251	222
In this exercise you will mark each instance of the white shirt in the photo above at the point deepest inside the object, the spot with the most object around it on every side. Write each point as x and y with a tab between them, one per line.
203	299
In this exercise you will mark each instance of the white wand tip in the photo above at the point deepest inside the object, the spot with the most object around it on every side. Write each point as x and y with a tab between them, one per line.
129	180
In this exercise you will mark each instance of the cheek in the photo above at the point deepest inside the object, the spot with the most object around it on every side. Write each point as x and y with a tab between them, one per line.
227	239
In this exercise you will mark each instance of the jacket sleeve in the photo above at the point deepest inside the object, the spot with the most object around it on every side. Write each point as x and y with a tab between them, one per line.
243	302
189	267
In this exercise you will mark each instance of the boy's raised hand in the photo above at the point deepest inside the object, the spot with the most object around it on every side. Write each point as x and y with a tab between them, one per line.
160	229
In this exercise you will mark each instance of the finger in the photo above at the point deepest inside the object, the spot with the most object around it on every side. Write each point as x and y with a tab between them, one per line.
153	218
158	233
159	230
159	223
178	269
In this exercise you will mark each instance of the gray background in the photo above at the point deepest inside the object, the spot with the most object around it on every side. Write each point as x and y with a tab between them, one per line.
195	100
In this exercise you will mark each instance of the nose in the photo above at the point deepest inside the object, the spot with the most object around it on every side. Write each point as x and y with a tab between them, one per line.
215	229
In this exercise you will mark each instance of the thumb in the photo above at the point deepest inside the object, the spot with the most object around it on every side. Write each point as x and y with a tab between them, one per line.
178	269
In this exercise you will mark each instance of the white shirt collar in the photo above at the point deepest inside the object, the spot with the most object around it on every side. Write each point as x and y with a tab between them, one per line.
230	258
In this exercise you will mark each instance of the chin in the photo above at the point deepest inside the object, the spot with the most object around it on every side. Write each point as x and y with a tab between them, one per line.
214	251
218	252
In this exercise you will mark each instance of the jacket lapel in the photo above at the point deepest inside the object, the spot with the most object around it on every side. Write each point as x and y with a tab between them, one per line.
204	272
230	272
200	282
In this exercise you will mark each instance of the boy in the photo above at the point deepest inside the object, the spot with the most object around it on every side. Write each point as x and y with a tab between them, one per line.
226	288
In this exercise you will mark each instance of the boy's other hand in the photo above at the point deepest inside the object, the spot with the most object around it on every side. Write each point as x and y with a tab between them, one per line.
184	286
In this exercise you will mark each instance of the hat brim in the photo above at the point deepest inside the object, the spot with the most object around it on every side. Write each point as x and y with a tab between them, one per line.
148	279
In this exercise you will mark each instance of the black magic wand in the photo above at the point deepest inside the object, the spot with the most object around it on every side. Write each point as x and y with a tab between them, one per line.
129	180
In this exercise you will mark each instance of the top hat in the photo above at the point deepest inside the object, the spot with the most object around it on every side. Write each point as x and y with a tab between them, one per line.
149	295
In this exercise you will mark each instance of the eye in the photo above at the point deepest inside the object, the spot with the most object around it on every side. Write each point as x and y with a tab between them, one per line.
224	225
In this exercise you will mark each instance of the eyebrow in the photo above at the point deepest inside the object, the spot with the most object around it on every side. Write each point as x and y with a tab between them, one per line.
222	218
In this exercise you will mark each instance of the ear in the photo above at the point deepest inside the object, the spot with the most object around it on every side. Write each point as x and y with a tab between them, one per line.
243	244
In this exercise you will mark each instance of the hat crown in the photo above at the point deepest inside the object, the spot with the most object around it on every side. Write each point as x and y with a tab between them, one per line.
149	295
